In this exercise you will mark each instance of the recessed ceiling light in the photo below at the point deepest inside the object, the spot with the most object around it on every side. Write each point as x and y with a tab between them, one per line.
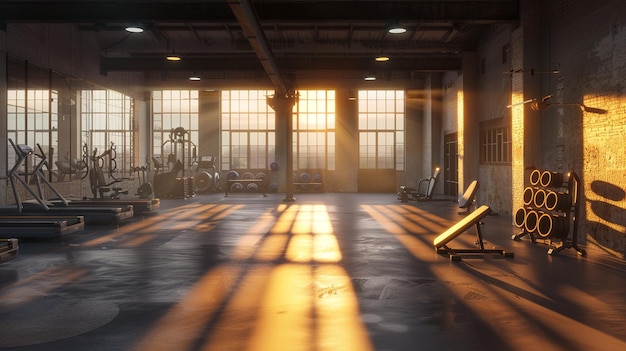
397	29
134	29
370	78
173	57
195	77
382	58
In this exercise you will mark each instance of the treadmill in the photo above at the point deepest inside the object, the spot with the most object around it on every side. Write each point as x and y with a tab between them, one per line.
91	214
43	227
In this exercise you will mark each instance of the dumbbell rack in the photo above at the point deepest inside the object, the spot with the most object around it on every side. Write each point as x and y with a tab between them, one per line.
571	214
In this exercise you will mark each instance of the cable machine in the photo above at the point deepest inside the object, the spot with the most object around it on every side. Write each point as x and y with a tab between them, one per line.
182	157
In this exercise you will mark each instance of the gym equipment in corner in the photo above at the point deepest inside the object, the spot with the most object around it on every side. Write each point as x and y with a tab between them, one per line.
424	190
473	219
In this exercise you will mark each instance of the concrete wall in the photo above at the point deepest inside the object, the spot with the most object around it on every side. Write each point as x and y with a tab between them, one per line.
343	178
493	95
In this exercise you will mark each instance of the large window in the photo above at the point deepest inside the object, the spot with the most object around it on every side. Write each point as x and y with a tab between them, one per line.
381	129
248	130
314	130
60	113
107	123
32	109
175	110
32	117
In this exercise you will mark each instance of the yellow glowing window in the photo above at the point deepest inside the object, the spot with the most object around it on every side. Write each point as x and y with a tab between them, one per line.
381	129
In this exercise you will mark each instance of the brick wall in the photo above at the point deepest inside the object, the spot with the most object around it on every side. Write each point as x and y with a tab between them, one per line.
590	51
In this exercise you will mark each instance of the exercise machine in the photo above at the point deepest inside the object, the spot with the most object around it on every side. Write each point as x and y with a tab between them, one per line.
60	207
70	167
41	227
18	223
424	190
468	200
169	184
145	188
473	219
100	188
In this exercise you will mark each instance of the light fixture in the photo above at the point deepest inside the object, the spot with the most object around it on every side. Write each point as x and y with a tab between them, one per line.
351	95
382	58
396	28
370	77
134	28
194	77
173	57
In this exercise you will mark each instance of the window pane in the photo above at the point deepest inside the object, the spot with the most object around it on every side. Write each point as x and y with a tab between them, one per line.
381	120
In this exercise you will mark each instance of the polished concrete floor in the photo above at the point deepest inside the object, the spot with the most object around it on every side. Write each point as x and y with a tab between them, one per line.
325	272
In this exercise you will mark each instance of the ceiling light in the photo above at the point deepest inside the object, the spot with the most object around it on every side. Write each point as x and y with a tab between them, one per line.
396	29
194	77
382	58
370	77
134	28
173	57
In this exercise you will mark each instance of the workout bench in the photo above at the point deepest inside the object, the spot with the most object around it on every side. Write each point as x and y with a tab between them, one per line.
469	198
472	219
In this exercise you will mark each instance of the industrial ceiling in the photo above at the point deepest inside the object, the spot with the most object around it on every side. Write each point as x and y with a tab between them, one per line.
283	40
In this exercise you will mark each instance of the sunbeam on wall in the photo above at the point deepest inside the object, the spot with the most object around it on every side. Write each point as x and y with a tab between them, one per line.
604	175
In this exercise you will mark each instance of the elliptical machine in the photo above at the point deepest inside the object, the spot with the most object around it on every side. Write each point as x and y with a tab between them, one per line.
145	189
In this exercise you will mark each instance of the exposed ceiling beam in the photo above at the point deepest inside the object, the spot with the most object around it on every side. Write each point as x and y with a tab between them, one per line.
244	12
494	11
424	64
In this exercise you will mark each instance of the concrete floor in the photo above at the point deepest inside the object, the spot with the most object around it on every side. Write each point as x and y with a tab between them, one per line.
326	272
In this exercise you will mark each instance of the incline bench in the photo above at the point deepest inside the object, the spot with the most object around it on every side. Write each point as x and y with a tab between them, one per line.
472	219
